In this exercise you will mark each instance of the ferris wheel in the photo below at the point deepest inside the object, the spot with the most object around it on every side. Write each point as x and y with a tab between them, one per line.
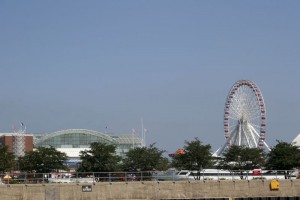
245	116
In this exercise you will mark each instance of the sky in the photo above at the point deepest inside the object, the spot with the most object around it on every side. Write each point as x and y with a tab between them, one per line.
97	64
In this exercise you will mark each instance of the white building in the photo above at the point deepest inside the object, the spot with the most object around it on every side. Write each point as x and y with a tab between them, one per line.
72	141
297	140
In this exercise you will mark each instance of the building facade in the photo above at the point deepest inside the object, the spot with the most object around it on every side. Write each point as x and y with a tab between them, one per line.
17	143
72	141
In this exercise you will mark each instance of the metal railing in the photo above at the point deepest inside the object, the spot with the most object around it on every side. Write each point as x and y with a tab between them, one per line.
94	177
73	177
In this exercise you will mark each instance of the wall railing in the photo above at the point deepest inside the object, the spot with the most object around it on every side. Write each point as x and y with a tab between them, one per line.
94	177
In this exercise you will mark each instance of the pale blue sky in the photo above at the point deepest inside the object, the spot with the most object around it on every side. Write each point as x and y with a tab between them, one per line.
92	64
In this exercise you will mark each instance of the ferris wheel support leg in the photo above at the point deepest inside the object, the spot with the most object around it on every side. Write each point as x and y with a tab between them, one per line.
254	134
267	146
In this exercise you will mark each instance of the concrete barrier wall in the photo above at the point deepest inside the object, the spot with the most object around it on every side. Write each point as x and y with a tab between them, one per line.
151	190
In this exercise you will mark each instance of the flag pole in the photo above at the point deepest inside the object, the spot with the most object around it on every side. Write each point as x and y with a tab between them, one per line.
133	138
142	123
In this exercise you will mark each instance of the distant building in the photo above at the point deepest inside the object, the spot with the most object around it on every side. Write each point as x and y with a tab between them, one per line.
297	140
17	143
72	141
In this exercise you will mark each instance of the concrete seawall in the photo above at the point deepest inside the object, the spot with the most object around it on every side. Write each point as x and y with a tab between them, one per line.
150	190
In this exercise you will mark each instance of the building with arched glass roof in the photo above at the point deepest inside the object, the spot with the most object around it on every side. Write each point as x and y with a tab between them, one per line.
72	141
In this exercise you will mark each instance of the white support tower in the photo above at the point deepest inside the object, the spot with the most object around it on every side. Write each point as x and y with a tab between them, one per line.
19	141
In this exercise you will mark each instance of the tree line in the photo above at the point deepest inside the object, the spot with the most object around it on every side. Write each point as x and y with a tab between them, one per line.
102	157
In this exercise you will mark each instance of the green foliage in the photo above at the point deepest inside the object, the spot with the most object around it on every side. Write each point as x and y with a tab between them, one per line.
100	158
43	160
284	156
180	161
242	158
145	159
6	159
197	156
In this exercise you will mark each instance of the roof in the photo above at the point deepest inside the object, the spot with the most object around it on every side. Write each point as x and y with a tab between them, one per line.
125	139
15	134
73	131
297	140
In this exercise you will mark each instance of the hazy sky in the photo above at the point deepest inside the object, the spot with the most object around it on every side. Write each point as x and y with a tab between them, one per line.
92	64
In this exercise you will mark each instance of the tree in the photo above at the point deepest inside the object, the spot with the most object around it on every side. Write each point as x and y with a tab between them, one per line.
284	156
100	158
43	160
145	159
197	156
242	158
6	158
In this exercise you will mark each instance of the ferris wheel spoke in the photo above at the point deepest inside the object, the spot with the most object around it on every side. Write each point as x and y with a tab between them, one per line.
235	112
255	127
234	127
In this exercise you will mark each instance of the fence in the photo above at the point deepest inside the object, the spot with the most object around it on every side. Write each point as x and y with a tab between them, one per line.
93	177
73	177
